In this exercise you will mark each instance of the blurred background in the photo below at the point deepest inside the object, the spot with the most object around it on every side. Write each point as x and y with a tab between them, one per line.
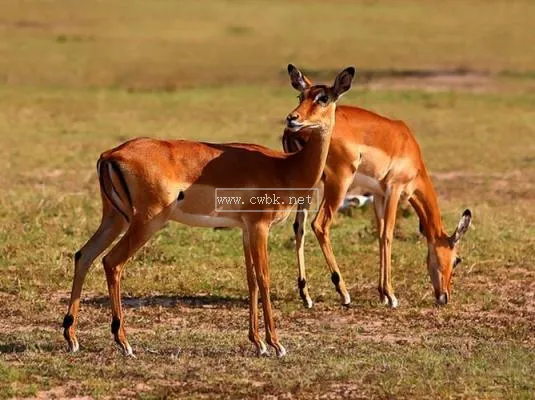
168	44
78	77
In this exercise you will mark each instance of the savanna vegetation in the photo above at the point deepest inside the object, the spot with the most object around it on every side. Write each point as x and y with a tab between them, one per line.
79	77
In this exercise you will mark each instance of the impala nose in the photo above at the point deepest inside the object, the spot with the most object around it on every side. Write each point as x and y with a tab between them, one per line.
291	121
292	117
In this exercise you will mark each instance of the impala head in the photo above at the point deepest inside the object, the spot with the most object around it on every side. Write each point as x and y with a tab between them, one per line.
317	103
442	259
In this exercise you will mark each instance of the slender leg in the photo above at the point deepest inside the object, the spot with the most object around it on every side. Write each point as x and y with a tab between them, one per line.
254	337
299	230
136	236
258	239
111	226
379	207
334	193
391	206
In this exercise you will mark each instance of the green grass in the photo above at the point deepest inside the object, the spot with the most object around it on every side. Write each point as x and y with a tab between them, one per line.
170	43
80	78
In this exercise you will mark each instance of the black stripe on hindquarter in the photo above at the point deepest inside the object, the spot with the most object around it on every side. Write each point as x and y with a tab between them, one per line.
101	171
421	227
119	173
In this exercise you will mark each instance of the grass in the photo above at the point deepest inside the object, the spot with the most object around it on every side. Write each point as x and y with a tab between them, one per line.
173	44
109	72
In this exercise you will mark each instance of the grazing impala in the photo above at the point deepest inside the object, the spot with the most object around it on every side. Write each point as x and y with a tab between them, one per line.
382	157
146	182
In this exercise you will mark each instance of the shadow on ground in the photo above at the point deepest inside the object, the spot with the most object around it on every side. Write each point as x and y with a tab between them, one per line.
200	301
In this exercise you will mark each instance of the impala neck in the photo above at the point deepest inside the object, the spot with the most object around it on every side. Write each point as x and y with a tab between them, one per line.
305	168
425	202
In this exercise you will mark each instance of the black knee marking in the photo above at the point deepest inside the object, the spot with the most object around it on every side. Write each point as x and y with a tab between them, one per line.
180	196
68	321
77	256
335	278
296	227
115	325
421	227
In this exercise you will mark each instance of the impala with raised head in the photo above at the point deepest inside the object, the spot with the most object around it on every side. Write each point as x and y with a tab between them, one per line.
146	182
382	157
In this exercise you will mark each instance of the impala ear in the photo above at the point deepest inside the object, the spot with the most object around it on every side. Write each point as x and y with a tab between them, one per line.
342	83
462	227
299	81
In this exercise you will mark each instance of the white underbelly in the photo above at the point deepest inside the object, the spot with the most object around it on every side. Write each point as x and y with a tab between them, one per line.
206	221
368	184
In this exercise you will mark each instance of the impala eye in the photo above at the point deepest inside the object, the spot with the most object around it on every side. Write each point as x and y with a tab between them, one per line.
324	99
300	98
457	261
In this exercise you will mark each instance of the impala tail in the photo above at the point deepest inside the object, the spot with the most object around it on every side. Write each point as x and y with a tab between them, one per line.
114	187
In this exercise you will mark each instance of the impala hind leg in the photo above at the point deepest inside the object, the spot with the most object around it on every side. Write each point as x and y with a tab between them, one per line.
114	262
254	337
258	241
299	231
111	226
334	193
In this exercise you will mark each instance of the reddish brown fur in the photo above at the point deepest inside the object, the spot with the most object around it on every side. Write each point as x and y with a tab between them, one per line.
147	182
371	145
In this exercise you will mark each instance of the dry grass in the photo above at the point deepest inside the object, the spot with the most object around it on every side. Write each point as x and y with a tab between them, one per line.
69	70
170	44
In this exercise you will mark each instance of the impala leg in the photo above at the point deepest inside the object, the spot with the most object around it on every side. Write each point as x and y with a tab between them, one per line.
258	239
136	236
111	226
391	205
254	337
333	196
379	207
299	231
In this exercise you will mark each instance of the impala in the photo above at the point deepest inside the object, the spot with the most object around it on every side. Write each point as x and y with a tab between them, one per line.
146	182
382	157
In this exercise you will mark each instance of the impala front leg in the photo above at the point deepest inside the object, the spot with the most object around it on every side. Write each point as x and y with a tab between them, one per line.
334	192
254	337
379	208
391	206
258	239
299	231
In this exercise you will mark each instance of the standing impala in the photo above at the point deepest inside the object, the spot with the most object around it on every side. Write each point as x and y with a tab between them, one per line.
146	182
382	157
